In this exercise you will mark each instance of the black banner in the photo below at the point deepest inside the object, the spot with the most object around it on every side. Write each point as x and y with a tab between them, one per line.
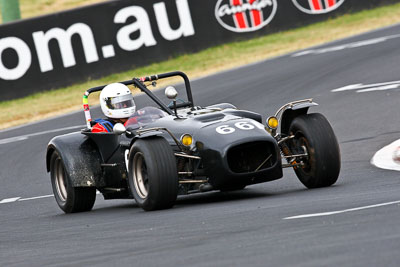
64	48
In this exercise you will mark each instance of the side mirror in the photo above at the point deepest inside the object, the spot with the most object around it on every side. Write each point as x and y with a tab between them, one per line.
119	128
171	92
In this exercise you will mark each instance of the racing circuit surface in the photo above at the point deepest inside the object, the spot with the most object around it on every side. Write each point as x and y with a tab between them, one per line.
280	223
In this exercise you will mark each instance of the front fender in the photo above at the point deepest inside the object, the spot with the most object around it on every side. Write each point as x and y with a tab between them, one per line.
81	158
146	135
291	111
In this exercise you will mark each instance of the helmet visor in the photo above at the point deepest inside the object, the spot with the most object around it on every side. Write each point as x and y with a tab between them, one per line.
120	102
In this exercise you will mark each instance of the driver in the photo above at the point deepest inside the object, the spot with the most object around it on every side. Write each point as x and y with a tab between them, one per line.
117	104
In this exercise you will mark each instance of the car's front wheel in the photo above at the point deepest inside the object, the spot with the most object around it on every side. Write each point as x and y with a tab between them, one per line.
153	176
70	199
314	136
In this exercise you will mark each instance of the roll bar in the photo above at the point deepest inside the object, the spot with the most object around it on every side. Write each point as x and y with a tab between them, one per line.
139	83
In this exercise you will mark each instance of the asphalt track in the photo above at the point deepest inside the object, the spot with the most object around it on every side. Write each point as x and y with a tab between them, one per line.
353	223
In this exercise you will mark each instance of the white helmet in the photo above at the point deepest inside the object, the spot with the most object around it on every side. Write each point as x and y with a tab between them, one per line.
116	101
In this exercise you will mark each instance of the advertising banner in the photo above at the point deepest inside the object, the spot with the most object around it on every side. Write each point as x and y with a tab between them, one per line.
64	48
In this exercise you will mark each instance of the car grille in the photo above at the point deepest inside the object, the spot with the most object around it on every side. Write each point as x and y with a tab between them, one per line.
249	157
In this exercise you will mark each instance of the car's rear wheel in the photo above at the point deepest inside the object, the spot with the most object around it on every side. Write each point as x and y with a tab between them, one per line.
153	176
314	136
70	199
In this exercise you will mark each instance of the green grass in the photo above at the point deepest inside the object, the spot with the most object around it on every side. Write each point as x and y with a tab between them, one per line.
47	104
33	8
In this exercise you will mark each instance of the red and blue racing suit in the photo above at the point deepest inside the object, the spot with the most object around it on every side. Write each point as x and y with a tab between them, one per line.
140	118
106	126
102	126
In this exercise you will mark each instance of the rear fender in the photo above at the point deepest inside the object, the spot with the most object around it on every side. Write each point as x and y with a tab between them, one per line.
81	158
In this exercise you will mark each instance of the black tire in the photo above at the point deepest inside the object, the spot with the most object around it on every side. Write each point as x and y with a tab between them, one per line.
153	176
70	199
314	133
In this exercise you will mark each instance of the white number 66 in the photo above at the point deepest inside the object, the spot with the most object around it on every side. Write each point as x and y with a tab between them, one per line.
242	125
225	129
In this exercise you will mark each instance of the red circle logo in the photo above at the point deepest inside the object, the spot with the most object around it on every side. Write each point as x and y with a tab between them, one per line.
317	6
245	15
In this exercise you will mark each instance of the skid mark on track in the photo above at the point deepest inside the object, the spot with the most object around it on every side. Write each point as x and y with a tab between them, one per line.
311	215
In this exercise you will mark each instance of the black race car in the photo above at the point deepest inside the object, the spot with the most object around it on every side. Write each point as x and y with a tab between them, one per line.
182	148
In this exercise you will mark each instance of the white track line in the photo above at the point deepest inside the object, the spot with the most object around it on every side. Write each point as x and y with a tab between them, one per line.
357	44
17	199
357	87
24	137
32	198
340	211
9	200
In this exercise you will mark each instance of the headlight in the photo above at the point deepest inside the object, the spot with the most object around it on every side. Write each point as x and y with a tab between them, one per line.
272	122
186	140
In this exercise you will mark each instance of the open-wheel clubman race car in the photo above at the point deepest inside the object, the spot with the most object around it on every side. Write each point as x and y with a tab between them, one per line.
189	149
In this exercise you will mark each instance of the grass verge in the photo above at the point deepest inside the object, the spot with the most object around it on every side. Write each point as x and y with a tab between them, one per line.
52	103
34	8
